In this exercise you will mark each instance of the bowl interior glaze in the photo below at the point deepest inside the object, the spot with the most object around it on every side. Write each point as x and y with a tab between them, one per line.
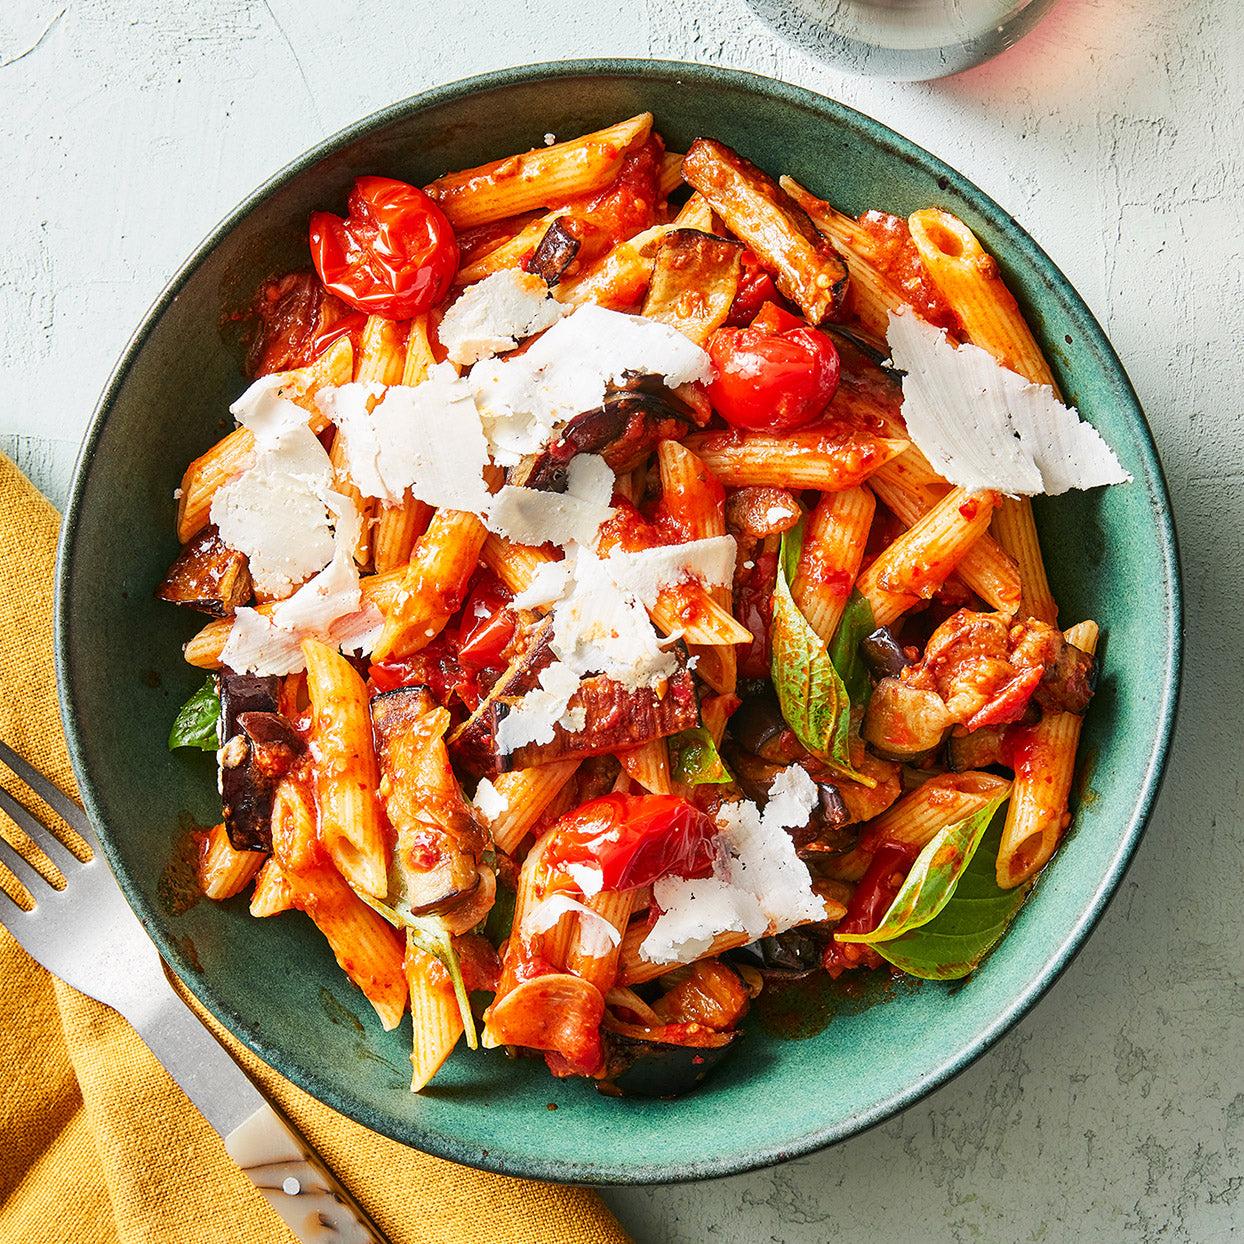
273	982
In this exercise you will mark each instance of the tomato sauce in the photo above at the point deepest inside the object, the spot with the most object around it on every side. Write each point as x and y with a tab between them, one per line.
888	241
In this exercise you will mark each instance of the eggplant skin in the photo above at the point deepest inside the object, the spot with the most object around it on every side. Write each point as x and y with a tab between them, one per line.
554	254
641	1068
252	762
208	576
1069	682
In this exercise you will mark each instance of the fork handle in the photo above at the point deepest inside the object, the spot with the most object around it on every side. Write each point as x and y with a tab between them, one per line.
315	1207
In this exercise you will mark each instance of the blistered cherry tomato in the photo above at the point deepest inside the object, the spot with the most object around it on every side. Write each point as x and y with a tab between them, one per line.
487	626
776	375
756	287
881	881
635	839
395	255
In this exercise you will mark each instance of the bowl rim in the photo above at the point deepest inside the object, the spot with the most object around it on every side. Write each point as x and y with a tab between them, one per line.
1036	262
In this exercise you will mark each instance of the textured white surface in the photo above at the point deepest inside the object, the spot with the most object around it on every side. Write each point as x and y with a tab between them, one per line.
1115	134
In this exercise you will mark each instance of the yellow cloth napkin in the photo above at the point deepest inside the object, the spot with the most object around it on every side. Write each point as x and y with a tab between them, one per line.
97	1144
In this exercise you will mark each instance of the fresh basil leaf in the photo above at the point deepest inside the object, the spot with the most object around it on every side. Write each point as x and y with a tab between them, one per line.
813	699
198	720
856	624
695	759
933	877
500	920
429	934
955	941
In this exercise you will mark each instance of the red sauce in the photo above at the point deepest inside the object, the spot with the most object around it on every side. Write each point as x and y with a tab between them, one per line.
888	241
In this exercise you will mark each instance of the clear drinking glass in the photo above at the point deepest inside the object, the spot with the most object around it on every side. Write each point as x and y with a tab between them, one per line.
903	39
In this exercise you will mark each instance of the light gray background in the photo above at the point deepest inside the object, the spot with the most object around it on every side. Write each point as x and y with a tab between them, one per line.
1115	134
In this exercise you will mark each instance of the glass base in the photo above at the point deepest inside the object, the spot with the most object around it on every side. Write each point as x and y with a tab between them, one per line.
905	40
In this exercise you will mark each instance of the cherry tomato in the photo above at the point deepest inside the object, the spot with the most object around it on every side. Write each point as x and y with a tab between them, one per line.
774	376
756	287
487	626
635	839
395	254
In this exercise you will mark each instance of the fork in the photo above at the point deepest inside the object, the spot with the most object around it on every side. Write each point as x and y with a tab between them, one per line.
88	935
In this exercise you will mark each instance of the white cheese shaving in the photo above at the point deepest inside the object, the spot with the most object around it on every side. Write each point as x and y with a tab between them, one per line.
274	511
524	400
596	935
266	413
532	720
424	437
983	426
530	516
759	885
494	315
327	607
488	801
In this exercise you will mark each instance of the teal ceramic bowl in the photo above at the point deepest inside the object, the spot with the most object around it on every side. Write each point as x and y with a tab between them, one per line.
273	982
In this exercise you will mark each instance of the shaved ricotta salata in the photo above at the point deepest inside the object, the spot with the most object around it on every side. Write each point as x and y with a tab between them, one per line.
982	426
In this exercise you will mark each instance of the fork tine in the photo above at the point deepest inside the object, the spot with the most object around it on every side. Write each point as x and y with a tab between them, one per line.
53	796
43	837
22	869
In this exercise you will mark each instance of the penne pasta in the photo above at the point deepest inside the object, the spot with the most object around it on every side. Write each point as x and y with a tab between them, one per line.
812	458
833	548
221	870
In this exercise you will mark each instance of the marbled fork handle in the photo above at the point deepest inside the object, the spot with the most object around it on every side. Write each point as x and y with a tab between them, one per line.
88	935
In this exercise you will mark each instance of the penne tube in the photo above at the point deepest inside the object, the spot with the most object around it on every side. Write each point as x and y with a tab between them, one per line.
1045	764
969	279
669	178
618	279
649	765
382	353
810	458
921	559
526	794
514	564
222	870
509	253
833	547
920	816
345	771
397	530
272	894
434	583
590	953
435	1020
537	178
1016	533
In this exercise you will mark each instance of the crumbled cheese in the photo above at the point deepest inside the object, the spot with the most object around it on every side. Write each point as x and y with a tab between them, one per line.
647	572
524	400
494	315
488	801
530	516
759	886
596	935
328	607
983	426
550	582
274	512
424	437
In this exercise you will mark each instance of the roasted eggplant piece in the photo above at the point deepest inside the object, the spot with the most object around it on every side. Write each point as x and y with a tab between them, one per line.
258	748
904	723
554	254
806	267
884	654
793	953
639	1064
208	576
624	430
980	749
436	860
694	281
1069	681
762	511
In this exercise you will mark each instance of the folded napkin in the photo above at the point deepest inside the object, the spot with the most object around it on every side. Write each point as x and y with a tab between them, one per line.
97	1144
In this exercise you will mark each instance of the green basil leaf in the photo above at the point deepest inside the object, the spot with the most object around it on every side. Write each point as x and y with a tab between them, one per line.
955	941
856	625
933	877
198	720
695	760
813	699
